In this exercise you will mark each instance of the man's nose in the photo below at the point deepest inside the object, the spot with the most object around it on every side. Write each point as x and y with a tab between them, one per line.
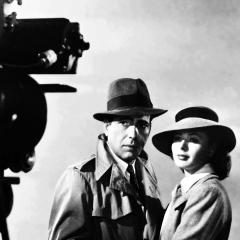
132	131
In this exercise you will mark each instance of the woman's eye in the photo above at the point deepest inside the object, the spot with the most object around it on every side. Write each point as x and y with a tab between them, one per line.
177	138
194	140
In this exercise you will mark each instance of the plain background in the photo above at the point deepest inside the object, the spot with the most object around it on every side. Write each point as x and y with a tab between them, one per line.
188	53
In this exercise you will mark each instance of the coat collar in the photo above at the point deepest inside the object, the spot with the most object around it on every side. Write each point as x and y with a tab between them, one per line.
105	164
183	198
190	180
104	159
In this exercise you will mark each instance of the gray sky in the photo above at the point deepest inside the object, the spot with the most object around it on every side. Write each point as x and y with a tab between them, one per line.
187	51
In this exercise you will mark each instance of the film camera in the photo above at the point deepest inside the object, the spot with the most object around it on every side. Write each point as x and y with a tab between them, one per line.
29	46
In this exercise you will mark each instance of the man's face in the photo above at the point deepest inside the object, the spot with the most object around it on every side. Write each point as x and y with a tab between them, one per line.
128	135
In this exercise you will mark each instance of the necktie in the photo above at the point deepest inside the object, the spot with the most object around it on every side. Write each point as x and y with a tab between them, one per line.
134	182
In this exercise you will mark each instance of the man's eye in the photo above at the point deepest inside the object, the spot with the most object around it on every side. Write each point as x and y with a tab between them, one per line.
143	125
125	123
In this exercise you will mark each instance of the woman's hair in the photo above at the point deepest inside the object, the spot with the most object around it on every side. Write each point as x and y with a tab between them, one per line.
221	160
221	163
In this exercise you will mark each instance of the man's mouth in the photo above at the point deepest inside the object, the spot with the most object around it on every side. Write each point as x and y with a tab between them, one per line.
130	146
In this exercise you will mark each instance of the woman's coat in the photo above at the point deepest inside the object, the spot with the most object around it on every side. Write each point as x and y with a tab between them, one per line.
202	213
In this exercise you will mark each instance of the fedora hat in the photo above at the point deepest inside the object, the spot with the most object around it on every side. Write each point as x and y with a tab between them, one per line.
196	118
128	97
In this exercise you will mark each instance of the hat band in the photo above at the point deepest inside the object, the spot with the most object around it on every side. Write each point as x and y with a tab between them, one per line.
135	100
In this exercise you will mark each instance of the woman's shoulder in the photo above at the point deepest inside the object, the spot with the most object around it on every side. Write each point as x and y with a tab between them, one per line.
209	187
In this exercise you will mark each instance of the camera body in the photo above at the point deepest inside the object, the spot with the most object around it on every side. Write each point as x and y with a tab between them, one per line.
40	45
47	45
31	46
27	46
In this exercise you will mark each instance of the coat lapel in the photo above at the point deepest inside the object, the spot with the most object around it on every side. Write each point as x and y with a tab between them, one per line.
106	201
119	182
105	161
148	181
112	195
182	198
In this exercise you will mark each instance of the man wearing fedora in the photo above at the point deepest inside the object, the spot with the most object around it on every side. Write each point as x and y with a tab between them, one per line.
114	193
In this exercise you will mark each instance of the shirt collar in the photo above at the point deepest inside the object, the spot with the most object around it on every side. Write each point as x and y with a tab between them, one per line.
105	161
122	164
105	158
190	180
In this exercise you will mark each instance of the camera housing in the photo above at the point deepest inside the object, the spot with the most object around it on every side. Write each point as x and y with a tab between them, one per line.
41	46
29	46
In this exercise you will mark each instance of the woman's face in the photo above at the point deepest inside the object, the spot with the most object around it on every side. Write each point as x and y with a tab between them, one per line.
191	150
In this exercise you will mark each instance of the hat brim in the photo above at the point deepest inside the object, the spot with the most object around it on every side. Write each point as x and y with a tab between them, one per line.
223	135
135	111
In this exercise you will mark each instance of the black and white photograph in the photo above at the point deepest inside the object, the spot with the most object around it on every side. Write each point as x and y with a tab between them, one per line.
120	119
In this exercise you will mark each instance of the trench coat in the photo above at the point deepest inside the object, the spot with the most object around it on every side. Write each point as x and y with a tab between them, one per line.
202	213
93	200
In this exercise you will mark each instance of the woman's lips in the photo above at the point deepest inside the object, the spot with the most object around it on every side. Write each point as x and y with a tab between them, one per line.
183	157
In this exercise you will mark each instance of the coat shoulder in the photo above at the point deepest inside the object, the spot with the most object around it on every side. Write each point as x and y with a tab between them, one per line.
209	188
213	184
82	172
86	165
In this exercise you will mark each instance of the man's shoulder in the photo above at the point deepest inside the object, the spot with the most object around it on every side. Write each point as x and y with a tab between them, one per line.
79	176
85	165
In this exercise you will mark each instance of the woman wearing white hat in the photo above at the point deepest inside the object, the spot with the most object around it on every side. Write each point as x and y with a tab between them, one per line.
200	208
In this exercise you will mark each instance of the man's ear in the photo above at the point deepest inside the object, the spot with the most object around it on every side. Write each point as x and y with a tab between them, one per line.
105	127
150	128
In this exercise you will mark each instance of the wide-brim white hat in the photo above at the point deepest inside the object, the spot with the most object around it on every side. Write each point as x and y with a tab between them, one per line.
196	118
